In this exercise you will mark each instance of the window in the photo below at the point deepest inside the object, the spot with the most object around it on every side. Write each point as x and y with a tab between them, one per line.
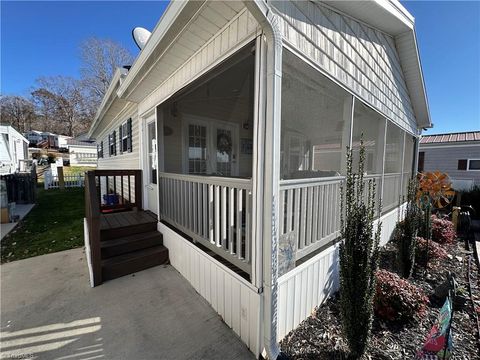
100	150
421	161
474	164
125	136
315	122
112	144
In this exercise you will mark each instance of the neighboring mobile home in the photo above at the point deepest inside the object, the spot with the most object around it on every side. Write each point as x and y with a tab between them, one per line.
13	148
231	127
457	154
82	153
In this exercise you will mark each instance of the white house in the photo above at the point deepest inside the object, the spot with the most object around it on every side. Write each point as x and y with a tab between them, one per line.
13	148
82	153
456	154
48	139
238	114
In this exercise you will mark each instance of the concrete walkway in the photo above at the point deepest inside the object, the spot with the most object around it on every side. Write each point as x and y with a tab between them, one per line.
21	210
49	311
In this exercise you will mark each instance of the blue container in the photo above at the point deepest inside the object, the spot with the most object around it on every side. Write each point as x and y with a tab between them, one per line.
110	199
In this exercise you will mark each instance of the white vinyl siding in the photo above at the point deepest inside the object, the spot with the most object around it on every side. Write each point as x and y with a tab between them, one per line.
362	59
125	160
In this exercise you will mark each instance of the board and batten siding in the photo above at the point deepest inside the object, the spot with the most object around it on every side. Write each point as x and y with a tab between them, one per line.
307	286
232	297
362	59
445	158
237	32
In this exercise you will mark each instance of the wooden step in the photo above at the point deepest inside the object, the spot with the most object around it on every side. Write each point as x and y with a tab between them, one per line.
127	230
125	264
130	243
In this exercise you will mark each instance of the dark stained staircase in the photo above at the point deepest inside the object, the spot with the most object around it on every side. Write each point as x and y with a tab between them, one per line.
130	242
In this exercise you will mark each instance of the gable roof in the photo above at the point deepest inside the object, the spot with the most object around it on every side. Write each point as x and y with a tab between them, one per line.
451	137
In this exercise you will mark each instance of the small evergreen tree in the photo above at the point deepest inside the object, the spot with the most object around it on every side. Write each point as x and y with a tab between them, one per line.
408	231
358	256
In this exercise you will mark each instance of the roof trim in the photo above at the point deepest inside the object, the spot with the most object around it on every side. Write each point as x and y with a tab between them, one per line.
166	21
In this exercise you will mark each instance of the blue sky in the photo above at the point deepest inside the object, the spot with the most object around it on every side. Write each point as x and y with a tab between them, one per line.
41	39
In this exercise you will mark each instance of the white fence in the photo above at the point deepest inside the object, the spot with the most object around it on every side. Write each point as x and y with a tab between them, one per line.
71	181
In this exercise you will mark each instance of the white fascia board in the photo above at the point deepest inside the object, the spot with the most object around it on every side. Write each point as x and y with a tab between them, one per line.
166	21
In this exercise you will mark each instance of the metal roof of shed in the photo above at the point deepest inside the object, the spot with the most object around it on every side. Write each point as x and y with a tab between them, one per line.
451	137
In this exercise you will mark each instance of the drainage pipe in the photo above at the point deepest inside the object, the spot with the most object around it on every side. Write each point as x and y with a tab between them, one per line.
271	173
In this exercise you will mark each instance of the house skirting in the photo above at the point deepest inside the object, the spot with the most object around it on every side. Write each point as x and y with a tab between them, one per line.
232	297
312	282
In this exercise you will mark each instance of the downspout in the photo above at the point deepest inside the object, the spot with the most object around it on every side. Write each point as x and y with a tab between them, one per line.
269	23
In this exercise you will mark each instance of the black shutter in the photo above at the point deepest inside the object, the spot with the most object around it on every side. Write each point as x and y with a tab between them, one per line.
110	145
120	136
129	129
462	164
421	160
114	141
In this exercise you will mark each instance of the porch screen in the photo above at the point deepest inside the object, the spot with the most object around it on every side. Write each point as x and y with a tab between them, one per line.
408	160
315	122
369	126
393	167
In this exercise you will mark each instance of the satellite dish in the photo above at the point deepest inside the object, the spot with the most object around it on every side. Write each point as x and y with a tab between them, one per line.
141	36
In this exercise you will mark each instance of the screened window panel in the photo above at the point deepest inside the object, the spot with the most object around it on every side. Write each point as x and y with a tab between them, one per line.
408	161
315	122
392	191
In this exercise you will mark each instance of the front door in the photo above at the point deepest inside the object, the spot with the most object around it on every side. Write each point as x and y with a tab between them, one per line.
151	165
211	148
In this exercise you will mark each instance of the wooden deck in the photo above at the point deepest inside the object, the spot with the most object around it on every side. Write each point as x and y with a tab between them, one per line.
122	219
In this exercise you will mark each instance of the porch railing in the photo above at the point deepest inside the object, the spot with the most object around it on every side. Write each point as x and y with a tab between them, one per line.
105	191
214	211
310	210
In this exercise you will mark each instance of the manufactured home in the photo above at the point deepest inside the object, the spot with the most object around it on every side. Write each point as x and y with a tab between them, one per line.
13	149
222	149
456	154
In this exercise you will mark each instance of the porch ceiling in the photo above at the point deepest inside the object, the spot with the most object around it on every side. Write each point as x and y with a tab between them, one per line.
182	31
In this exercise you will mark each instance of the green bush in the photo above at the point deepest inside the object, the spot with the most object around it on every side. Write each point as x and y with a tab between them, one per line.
358	256
51	158
396	299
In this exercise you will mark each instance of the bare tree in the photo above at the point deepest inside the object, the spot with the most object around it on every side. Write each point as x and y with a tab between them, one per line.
45	106
99	60
64	99
17	111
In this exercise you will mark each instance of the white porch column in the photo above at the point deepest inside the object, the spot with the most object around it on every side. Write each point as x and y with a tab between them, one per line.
271	48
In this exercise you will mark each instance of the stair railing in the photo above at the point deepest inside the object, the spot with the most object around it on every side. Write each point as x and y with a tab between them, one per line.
92	231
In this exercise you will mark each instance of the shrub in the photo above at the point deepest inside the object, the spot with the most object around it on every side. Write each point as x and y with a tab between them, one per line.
443	230
396	299
358	256
51	158
435	251
407	232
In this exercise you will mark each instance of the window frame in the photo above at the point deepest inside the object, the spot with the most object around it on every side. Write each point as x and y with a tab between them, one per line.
468	164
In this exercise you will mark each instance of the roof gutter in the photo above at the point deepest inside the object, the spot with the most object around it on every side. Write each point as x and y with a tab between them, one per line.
272	120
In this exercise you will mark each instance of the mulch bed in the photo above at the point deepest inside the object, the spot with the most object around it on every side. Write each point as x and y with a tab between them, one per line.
320	335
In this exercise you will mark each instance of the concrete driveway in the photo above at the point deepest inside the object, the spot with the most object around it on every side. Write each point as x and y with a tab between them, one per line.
49	311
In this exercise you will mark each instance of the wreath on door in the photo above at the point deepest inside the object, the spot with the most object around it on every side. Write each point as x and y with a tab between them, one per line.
224	143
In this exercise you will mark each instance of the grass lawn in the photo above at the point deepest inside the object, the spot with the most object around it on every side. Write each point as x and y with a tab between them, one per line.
54	224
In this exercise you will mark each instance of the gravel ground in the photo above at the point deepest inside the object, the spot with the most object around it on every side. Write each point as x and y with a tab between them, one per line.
319	336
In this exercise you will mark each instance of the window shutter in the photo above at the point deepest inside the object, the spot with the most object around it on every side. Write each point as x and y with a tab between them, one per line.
110	145
114	141
462	164
421	160
129	129
101	149
120	138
